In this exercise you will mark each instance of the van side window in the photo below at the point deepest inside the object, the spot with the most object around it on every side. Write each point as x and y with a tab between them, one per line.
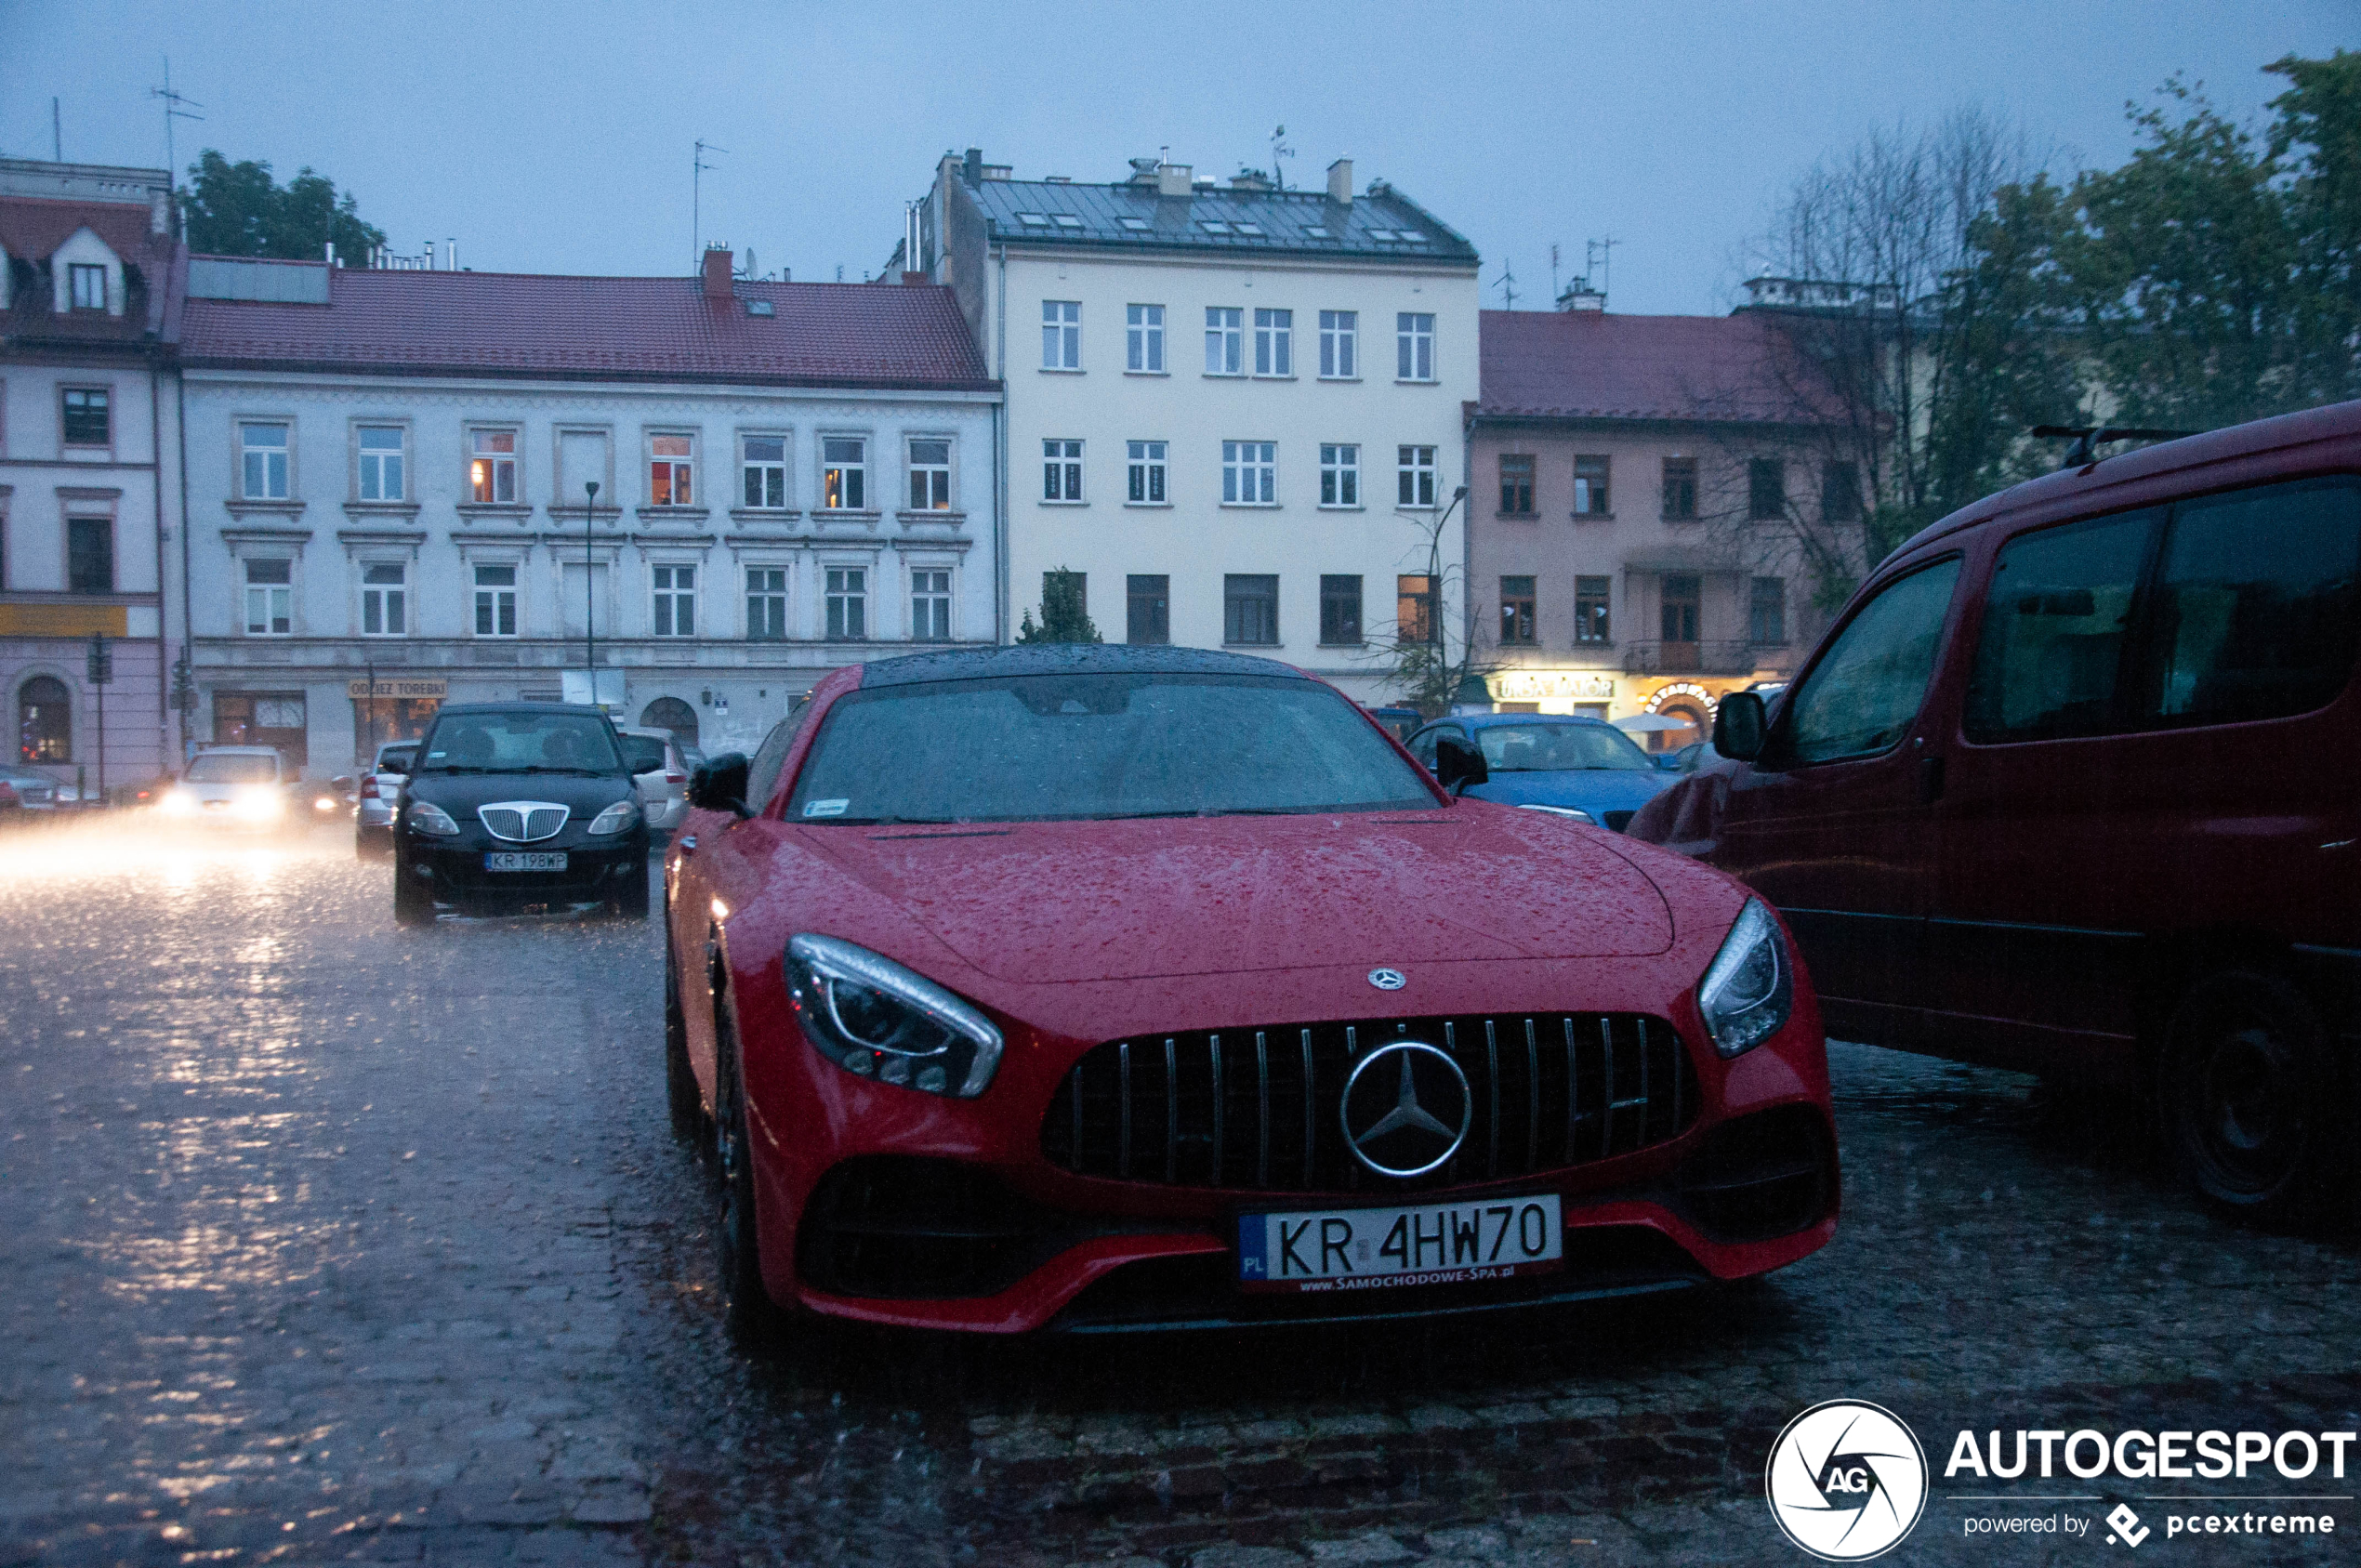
2256	609
2055	618
1866	689
762	774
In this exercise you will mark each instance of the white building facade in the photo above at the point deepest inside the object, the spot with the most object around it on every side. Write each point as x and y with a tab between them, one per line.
784	486
1234	410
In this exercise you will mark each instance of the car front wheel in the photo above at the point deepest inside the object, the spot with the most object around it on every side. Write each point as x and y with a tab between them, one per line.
413	900
682	1099
752	1316
2249	1098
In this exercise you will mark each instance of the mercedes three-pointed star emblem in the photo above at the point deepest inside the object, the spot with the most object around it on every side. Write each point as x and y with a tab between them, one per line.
1388	979
1400	1134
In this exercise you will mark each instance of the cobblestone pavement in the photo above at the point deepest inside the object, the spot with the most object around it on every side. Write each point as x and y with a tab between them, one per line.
323	1240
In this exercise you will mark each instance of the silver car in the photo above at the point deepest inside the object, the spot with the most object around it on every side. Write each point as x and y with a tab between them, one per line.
380	799
662	775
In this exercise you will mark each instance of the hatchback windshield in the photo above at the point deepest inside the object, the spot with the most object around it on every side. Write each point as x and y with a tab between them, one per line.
521	743
645	752
406	753
1039	748
1550	748
215	768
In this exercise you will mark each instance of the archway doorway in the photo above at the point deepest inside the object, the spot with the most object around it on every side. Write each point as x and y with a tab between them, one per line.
671	713
45	721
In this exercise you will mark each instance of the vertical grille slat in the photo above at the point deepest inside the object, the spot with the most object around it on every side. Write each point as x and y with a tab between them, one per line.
1123	1155
1262	1117
1214	1049
1310	1094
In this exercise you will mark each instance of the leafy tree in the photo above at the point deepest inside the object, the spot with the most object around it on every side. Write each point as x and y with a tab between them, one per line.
238	209
1064	618
2316	139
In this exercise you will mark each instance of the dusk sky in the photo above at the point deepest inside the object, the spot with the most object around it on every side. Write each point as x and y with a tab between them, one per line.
558	137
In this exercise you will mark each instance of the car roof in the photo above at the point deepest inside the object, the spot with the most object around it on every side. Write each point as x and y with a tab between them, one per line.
1067	658
646	732
452	711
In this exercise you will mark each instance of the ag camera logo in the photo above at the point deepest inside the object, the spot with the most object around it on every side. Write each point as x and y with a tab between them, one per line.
1847	1481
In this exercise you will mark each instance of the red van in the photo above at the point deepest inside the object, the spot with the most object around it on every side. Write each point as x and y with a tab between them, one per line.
2073	786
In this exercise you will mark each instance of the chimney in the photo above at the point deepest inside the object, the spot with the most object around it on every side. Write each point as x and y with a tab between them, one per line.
1340	181
1173	179
971	167
717	273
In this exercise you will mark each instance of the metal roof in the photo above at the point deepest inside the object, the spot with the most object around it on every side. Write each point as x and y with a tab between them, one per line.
1220	220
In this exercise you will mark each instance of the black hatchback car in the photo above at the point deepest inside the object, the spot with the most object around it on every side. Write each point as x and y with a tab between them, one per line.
514	806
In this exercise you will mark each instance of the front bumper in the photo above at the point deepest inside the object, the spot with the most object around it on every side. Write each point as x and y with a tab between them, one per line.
597	869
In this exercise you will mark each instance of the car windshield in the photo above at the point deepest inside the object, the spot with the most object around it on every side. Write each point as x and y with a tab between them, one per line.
521	743
214	768
645	753
1551	748
1026	748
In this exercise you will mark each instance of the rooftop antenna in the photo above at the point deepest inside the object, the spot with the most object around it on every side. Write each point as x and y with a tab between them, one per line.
56	135
1279	150
1507	284
1598	259
1553	272
177	106
696	196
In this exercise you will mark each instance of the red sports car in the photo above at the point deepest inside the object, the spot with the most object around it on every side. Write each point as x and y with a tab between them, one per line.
1092	988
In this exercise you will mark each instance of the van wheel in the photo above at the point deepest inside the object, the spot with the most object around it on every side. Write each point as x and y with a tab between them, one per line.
2247	1093
753	1318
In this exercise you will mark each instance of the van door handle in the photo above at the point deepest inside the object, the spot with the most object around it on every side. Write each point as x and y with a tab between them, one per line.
1930	780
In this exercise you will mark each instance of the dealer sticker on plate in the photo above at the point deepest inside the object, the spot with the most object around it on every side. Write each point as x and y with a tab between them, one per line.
1375	1248
526	860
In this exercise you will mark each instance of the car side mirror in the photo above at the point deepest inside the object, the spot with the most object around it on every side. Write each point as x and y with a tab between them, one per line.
1740	727
720	784
1457	766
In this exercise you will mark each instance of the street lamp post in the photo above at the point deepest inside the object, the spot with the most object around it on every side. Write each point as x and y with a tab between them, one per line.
589	590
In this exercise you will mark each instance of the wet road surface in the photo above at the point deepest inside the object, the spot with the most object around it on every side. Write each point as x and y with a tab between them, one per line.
321	1241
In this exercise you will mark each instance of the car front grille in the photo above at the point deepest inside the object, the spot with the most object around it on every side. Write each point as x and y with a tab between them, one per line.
1258	1109
522	821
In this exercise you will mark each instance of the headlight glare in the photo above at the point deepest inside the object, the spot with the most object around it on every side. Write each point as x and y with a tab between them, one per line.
618	818
178	803
426	817
877	1020
1749	988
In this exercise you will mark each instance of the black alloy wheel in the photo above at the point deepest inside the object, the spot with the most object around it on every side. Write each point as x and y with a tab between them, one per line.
682	1100
752	1317
413	900
2249	1098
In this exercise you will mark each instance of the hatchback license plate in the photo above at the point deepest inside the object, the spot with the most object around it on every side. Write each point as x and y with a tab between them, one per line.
505	860
1375	1248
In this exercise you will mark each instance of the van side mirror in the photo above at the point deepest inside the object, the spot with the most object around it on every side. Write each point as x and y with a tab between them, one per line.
1740	727
1458	765
720	784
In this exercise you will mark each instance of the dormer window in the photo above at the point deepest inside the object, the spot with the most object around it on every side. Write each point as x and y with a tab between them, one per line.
1034	219
1065	220
1137	225
1213	226
1316	231
1242	227
88	281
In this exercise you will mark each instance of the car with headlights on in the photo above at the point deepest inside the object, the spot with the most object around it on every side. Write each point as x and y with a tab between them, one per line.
1111	988
513	806
248	787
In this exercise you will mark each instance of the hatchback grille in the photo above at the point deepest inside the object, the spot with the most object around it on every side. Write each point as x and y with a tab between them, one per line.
1258	1109
522	821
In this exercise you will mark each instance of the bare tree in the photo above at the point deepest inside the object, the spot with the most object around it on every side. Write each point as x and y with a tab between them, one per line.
1427	658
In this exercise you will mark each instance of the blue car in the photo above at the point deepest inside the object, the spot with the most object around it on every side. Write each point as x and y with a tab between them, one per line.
1552	761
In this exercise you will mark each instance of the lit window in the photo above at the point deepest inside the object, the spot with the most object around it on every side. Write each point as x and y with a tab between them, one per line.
844	473
1249	473
676	602
495	600
263	461
671	468
384	595
492	468
381	463
929	475
269	597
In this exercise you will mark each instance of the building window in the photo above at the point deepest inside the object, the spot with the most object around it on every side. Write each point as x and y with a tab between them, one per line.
671	464
1591	486
497	601
675	606
1767	489
385	591
1147	609
45	721
1274	342
1340	344
90	555
844	473
1516	486
1767	613
87	421
1414	618
1251	609
1680	600
269	597
87	284
1146	478
1339	610
1840	493
262	465
929	475
1413	472
1061	470
767	604
1144	338
1680	487
1516	612
492	468
381	463
1590	624
762	465
931	606
1339	474
1061	334
1225	333
1249	473
1413	347
848	598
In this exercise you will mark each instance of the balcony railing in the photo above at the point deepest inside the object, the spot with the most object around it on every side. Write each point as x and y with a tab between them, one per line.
1688	658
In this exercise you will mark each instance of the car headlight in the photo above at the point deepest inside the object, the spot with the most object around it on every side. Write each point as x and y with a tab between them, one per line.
425	817
618	818
258	804
1749	988
877	1020
178	803
1576	812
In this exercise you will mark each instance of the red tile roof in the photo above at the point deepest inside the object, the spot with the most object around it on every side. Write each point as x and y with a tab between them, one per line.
1588	364
32	228
545	325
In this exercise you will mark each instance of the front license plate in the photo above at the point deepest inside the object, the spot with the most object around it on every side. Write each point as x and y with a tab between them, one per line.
507	860
1375	1248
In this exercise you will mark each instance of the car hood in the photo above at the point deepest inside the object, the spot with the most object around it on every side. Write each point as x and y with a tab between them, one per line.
460	794
1591	789
1060	902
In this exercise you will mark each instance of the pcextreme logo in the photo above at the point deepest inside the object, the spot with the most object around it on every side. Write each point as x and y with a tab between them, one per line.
1847	1481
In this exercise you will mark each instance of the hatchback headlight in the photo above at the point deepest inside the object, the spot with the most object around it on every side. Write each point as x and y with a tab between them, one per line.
877	1020
1749	988
426	817
178	803
618	818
